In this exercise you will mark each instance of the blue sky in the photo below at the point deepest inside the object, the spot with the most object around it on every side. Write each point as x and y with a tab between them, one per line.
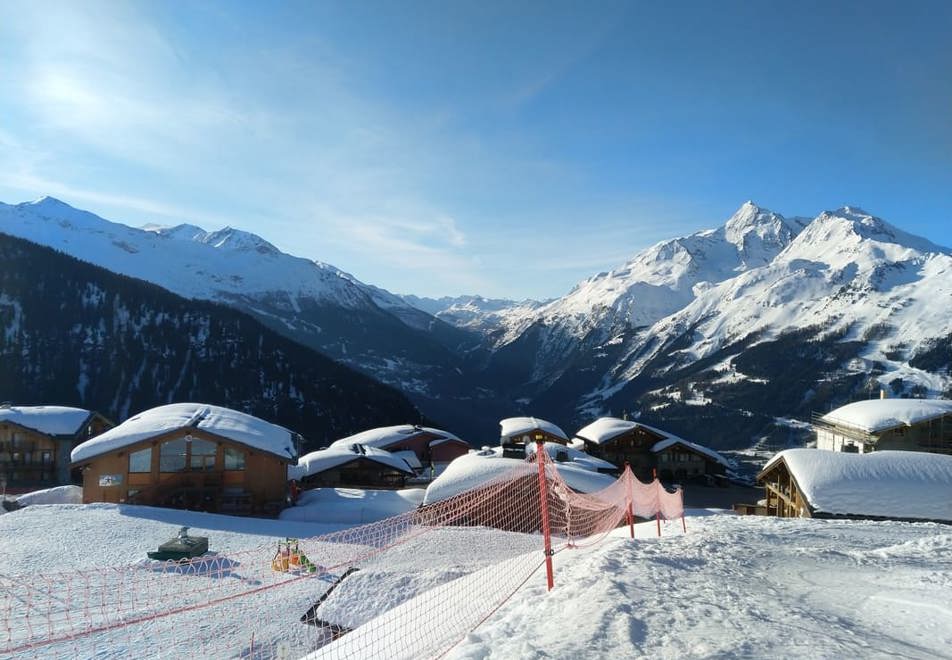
507	149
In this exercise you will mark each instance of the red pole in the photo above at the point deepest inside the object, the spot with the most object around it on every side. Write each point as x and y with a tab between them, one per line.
631	522
541	459
654	473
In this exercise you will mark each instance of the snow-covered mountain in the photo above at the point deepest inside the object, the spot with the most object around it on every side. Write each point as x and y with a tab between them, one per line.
312	302
485	315
719	336
670	332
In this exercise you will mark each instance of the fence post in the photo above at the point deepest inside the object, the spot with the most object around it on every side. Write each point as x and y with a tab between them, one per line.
654	473
542	459
683	525
631	522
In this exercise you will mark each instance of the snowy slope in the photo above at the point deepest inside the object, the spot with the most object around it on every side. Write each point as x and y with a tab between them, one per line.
848	272
667	276
185	259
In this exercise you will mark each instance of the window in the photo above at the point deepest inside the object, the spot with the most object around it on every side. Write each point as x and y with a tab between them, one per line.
47	457
202	455
141	461
172	455
234	459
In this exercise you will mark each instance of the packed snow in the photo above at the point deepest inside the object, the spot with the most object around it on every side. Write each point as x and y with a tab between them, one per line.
896	484
876	415
55	495
224	422
731	586
51	420
352	506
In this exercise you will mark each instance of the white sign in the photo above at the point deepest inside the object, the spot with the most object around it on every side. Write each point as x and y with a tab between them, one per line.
110	479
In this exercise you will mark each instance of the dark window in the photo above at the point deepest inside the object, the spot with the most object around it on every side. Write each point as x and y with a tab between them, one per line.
234	459
172	455
141	461
202	455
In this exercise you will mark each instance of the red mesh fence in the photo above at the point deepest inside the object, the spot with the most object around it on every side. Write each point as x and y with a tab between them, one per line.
408	586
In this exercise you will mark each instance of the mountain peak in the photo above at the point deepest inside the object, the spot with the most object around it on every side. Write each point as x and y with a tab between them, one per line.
49	202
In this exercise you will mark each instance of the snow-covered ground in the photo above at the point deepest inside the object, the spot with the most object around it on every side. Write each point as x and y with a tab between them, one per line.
352	506
741	587
747	587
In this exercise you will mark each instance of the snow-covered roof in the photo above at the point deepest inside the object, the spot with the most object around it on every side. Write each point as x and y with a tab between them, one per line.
474	470
443	441
876	415
575	456
227	423
51	420
673	440
333	456
410	457
514	426
604	429
891	484
386	436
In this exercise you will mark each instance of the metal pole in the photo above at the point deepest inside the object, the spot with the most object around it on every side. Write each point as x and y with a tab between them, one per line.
541	458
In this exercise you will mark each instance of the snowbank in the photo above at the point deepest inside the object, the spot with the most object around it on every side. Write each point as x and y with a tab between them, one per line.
51	420
57	495
227	423
876	415
352	506
891	484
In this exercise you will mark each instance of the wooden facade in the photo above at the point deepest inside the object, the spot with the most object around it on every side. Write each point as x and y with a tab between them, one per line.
31	459
361	472
678	462
783	495
632	446
682	462
188	468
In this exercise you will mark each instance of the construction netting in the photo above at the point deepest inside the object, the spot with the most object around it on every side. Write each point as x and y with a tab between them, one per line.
410	586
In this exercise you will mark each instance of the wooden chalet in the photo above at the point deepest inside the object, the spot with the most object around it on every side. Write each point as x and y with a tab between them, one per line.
190	456
357	466
647	449
433	447
893	424
885	485
36	441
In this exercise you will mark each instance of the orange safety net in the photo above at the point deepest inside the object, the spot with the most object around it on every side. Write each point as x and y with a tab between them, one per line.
410	586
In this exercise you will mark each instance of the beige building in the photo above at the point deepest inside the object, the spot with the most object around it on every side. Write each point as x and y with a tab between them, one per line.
879	424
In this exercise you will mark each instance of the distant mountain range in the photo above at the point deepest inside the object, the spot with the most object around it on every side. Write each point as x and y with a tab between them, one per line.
726	336
76	334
